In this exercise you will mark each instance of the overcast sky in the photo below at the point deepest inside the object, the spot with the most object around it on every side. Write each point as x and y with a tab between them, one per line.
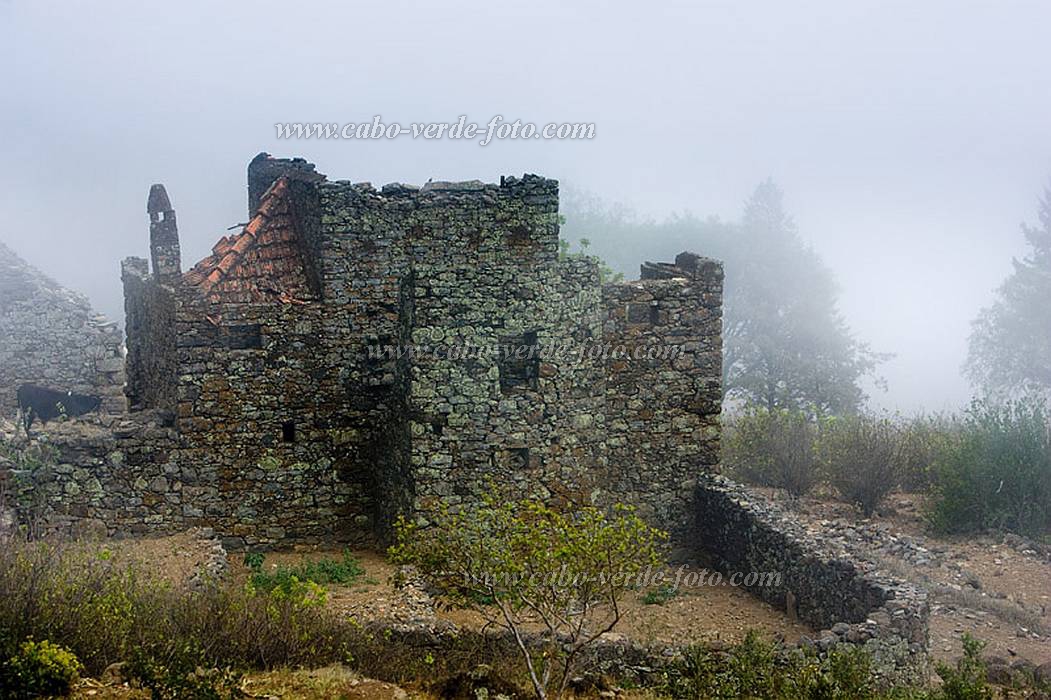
911	137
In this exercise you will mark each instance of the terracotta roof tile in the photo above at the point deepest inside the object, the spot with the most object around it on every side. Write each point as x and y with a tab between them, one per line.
229	250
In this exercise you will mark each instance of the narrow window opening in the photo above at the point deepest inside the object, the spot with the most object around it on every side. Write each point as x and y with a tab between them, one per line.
519	363
288	431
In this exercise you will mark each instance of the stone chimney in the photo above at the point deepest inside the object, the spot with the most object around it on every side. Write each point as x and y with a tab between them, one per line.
164	237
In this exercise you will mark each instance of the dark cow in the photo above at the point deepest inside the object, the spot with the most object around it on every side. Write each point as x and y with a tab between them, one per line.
48	404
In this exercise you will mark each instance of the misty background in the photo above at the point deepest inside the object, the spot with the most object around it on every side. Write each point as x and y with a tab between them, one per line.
909	138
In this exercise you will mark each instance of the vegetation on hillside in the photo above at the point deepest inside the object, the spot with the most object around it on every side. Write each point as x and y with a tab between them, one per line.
988	468
996	473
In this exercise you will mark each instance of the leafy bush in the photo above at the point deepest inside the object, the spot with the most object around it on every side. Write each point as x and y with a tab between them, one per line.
966	680
773	448
40	669
922	441
757	669
175	672
997	473
562	571
254	560
861	458
288	578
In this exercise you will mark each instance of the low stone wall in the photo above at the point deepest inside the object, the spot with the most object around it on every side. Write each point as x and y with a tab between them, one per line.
849	600
95	476
131	476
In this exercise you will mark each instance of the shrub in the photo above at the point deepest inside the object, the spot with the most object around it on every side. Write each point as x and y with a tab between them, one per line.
966	680
922	441
758	669
40	669
175	672
287	578
773	448
860	455
565	572
997	473
254	560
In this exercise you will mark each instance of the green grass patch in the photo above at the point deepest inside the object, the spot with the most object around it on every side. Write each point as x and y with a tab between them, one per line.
660	596
345	571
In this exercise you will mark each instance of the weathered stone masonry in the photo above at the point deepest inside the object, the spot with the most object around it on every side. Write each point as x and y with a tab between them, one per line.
850	601
277	368
50	336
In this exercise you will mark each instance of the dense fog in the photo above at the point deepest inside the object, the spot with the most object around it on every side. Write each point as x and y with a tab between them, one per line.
909	140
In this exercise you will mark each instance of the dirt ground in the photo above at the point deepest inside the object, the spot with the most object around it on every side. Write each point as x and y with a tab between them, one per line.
175	559
699	613
996	590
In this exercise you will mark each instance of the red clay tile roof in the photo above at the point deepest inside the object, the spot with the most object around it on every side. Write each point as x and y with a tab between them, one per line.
262	260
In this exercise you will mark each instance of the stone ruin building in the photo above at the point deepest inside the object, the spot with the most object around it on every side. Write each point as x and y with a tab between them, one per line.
353	354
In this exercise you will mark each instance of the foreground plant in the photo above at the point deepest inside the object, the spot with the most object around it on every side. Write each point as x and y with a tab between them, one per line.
522	563
39	669
757	668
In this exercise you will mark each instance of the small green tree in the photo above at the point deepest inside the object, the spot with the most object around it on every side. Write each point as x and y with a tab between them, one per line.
966	680
521	563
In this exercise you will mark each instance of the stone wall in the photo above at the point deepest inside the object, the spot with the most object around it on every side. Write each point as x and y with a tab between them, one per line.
480	264
663	386
848	599
104	475
51	337
477	272
149	317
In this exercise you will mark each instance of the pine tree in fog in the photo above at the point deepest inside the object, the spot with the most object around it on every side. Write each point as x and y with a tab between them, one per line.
1010	343
786	343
